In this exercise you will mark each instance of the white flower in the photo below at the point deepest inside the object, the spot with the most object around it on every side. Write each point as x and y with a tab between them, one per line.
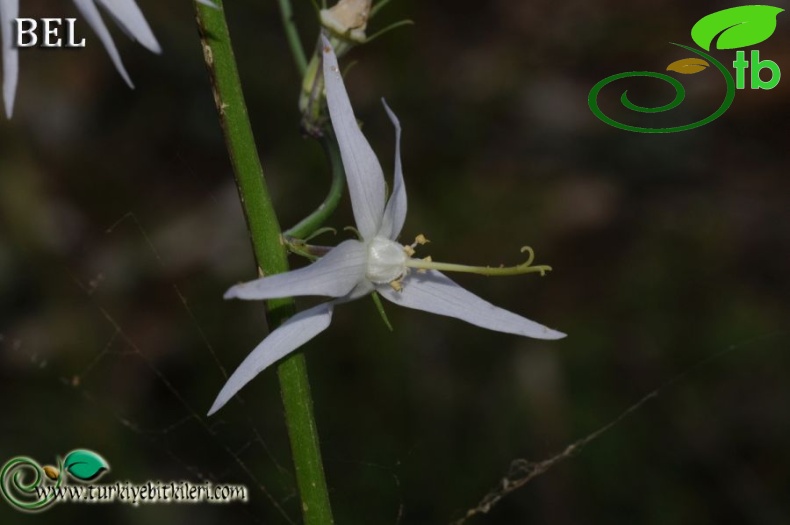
377	262
125	13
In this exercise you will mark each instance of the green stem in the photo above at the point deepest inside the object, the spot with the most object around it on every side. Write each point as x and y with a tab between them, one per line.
379	5
315	220
292	34
270	256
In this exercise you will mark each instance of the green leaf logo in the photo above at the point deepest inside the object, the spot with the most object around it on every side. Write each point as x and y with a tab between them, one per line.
742	26
85	465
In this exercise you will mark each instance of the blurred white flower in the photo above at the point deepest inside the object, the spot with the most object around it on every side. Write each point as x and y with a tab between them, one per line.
376	262
125	13
348	19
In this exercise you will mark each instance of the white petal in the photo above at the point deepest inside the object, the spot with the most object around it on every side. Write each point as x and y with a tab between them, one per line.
92	15
363	171
129	17
9	10
333	275
362	289
208	3
434	292
395	213
295	332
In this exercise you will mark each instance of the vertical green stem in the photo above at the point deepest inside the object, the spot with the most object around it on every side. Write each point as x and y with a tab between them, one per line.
292	34
269	253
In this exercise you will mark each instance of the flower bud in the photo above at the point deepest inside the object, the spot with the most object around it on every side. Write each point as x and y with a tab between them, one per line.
348	19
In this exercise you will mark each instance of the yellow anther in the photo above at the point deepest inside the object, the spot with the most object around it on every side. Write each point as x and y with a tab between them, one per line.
425	259
396	285
421	240
409	250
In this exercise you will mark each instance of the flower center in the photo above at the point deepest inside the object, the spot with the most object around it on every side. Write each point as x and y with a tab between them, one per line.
386	260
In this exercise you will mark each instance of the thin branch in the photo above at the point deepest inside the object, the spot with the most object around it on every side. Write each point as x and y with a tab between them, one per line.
292	34
315	220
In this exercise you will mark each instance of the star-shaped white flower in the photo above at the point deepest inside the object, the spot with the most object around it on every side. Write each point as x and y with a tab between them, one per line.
125	13
355	268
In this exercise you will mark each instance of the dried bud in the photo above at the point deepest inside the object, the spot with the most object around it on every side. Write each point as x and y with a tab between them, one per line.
347	19
51	472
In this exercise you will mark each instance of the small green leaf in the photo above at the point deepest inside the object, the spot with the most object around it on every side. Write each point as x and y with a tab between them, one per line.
382	312
85	465
742	26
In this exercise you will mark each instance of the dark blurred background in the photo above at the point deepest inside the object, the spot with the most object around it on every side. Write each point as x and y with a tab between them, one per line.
120	229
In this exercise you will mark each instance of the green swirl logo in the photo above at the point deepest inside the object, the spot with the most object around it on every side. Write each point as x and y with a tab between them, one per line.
731	29
29	487
21	479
